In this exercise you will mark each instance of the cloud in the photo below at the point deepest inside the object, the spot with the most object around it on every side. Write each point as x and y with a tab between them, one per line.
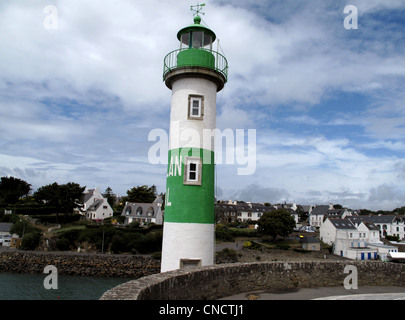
257	193
77	103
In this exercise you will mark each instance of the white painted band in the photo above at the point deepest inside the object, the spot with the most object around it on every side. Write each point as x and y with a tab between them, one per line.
195	133
187	241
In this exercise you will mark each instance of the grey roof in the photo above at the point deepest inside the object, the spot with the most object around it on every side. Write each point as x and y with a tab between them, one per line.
308	239
95	205
337	213
373	219
342	223
227	207
382	219
320	210
371	226
88	195
133	209
245	207
5	226
305	208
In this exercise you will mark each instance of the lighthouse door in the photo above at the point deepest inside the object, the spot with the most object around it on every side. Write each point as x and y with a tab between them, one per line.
190	263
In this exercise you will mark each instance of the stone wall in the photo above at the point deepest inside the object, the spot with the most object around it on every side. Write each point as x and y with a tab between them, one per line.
79	264
229	279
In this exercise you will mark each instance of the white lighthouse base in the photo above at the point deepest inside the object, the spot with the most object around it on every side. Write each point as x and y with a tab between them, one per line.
187	245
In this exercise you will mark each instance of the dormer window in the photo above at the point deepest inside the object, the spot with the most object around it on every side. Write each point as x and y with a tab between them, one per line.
150	212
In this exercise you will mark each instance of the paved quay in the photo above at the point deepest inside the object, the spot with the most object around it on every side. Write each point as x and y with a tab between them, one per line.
331	293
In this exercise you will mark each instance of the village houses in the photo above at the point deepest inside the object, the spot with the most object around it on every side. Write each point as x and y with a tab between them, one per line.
234	211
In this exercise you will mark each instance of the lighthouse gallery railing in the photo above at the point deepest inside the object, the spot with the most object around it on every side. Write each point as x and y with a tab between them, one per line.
220	65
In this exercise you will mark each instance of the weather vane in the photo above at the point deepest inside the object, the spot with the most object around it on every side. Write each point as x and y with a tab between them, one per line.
198	9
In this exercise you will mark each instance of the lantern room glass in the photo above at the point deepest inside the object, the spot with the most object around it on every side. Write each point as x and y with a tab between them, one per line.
185	40
196	40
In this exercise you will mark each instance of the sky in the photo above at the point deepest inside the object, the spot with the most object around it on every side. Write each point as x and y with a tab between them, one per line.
81	88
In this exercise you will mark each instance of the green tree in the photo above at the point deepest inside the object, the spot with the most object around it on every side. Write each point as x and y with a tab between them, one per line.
143	194
64	197
11	189
399	210
279	222
110	196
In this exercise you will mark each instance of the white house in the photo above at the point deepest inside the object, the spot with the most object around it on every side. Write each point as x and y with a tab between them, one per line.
144	213
96	207
251	211
5	235
346	240
390	225
317	214
322	212
360	240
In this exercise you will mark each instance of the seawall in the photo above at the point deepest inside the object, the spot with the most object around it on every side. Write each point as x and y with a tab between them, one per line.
78	263
228	279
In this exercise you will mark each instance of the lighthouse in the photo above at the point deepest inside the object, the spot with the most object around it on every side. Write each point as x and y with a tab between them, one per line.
194	73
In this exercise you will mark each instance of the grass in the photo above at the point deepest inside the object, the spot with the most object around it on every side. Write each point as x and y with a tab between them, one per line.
68	228
281	243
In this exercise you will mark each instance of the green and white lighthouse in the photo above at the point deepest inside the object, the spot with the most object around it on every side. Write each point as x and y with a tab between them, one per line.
194	73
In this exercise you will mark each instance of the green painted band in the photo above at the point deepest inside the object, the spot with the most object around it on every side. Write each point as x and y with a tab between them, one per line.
186	203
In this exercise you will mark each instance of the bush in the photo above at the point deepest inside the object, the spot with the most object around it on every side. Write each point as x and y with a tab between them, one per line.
283	246
223	233
392	238
247	244
226	256
300	250
151	242
118	244
63	244
31	241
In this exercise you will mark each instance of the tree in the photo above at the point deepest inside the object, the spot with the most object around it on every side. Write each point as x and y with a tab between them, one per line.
64	197
11	189
143	194
278	222
111	197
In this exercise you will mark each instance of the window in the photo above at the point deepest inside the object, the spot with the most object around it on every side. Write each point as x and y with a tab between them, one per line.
139	211
150	212
185	40
192	171
196	107
197	39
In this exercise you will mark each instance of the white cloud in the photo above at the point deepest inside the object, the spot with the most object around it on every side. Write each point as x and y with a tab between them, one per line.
78	102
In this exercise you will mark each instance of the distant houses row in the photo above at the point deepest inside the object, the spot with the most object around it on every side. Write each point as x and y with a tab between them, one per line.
387	225
96	207
234	211
349	234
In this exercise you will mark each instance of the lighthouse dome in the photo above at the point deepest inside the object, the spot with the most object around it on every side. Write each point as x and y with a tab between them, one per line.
196	35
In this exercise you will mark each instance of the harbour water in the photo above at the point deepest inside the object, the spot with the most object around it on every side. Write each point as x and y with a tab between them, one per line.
31	287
